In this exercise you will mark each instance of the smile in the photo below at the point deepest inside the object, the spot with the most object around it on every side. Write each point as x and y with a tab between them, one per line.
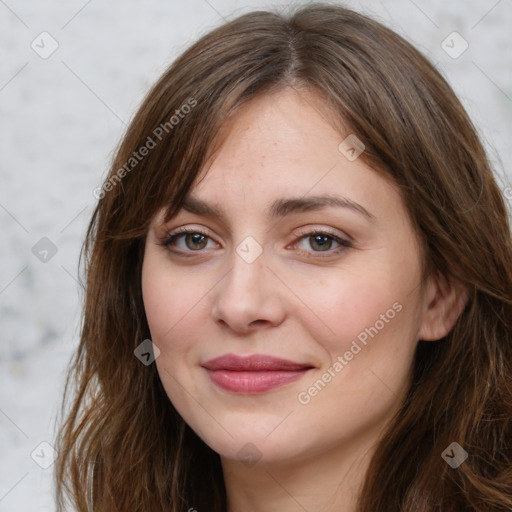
253	374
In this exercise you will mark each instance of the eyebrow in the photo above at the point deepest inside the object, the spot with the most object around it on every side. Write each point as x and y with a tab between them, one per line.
281	207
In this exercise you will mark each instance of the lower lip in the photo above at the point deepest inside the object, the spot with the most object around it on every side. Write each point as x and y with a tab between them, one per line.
250	383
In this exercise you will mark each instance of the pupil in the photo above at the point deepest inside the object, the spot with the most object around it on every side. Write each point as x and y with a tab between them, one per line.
196	238
321	240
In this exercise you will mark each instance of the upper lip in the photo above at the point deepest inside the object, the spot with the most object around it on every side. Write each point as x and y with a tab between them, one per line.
255	362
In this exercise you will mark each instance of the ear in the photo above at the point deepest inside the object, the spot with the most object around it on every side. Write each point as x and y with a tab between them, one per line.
444	300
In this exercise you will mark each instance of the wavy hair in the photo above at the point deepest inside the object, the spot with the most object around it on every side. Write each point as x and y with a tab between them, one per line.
122	445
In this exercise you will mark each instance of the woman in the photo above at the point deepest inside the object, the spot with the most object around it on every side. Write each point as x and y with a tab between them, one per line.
298	288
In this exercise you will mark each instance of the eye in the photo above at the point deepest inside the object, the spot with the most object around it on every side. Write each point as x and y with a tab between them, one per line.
194	240
322	241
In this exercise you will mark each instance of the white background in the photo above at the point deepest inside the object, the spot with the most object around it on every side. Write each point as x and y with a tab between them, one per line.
61	118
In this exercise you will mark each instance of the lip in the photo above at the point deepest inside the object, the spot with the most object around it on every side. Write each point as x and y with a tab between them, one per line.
253	374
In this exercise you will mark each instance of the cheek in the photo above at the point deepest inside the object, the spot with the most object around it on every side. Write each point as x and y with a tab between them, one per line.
367	361
374	350
344	306
170	302
368	336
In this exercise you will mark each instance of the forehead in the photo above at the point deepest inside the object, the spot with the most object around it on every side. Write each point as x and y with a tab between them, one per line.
284	145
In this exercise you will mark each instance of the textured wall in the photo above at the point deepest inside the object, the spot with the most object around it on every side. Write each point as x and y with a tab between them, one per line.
62	114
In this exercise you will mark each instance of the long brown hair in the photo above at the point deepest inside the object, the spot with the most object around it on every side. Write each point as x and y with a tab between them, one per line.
122	445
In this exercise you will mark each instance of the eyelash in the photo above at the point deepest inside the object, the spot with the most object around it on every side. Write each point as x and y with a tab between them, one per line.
344	244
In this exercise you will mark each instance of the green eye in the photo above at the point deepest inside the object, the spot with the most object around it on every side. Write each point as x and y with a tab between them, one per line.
195	241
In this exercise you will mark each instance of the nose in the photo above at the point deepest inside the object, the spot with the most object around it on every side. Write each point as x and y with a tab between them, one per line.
248	297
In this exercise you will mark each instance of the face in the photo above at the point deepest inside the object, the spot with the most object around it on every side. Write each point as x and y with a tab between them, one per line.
306	255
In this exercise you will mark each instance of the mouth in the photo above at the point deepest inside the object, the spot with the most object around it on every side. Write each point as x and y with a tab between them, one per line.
253	374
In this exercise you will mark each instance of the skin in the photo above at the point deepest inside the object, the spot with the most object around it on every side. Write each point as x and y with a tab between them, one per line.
304	306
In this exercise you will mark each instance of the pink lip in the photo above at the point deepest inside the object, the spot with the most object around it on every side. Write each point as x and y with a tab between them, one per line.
253	374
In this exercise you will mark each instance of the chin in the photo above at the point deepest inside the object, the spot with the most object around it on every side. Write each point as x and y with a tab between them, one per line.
255	445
